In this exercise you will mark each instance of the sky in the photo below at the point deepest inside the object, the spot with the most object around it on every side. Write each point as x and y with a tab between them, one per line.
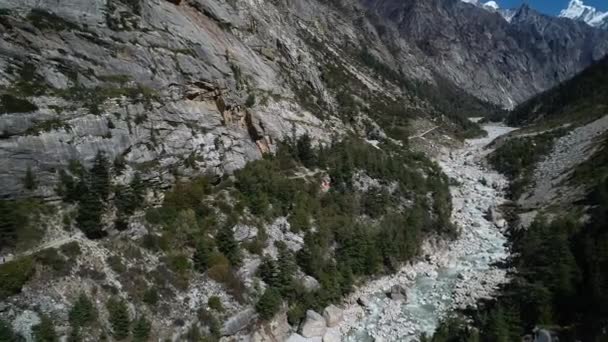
552	7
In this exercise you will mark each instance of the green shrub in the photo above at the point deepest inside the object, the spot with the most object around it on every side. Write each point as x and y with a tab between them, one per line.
17	223
6	332
179	263
151	296
12	104
44	20
14	274
250	102
71	249
116	264
215	303
269	304
119	318
52	258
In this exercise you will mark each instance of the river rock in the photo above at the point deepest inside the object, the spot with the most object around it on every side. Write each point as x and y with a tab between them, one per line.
333	315
332	335
397	292
364	302
314	325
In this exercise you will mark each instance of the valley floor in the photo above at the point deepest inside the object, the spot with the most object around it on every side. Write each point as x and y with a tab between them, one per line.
453	274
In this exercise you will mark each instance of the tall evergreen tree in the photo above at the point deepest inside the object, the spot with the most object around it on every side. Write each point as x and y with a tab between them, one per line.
100	176
119	318
83	312
141	329
228	245
45	330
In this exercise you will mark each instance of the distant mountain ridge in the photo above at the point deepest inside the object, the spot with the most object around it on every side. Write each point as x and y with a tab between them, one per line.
578	11
479	50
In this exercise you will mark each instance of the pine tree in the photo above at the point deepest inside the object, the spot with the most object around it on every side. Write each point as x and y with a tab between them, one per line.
82	312
269	304
29	181
202	254
6	332
100	176
306	154
498	330
269	272
287	267
88	219
138	189
228	246
119	318
141	329
45	330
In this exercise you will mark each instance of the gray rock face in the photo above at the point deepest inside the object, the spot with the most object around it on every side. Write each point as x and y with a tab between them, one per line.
314	325
238	322
165	87
499	61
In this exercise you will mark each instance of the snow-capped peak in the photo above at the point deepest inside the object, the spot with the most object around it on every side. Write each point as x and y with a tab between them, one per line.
492	4
577	10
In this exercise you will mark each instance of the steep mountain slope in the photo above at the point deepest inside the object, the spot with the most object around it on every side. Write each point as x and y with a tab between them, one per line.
155	83
187	169
583	97
487	56
191	169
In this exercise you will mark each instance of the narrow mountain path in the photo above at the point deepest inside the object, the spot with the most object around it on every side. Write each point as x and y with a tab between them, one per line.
452	275
50	244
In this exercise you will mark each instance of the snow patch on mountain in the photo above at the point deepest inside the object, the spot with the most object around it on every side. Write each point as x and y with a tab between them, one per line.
493	6
577	10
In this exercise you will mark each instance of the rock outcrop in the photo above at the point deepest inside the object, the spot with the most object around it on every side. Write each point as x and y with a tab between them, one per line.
314	325
332	315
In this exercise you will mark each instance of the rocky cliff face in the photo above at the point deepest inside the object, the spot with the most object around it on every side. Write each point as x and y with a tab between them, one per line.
499	61
157	83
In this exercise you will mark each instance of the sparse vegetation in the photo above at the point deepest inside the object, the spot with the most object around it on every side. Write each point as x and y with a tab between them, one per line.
13	275
12	104
47	21
517	158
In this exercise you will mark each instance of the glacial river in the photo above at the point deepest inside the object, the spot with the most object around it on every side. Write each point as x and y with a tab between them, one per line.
452	275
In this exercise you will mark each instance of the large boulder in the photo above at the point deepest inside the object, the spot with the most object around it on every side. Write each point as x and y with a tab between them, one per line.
238	322
363	301
314	325
397	292
333	315
332	335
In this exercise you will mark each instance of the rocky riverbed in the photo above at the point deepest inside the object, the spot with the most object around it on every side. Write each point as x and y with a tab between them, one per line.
451	275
